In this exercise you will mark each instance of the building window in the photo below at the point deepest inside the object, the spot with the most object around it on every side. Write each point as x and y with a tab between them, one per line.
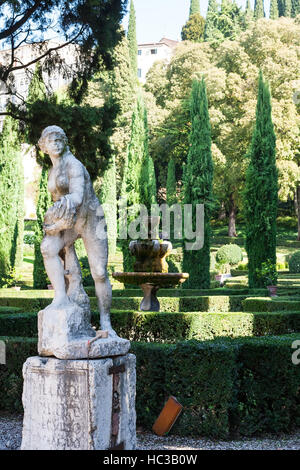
140	52
139	73
153	51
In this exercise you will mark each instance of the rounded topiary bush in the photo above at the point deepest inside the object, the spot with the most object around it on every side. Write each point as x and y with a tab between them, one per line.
294	263
229	254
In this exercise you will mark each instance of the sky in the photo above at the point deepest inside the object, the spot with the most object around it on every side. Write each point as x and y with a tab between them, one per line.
164	18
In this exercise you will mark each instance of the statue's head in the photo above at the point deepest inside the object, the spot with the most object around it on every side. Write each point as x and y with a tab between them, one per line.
53	140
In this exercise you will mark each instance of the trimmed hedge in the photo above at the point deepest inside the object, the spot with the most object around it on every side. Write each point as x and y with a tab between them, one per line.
269	305
217	303
11	380
171	327
243	386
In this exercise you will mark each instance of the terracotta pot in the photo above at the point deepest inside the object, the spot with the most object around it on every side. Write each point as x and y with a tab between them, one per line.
272	291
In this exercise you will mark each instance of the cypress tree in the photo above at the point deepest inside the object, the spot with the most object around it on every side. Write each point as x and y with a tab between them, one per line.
197	185
287	4
132	173
211	31
171	183
274	13
261	189
280	4
295	8
249	13
19	232
37	91
40	279
11	197
107	193
131	36
259	10
147	179
171	187
194	7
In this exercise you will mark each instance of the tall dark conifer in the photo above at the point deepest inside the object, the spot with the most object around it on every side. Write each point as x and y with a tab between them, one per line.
131	36
11	200
261	189
194	7
37	91
274	13
130	191
259	10
197	186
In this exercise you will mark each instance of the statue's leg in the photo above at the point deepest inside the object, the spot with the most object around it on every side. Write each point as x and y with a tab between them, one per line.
97	251
50	248
75	290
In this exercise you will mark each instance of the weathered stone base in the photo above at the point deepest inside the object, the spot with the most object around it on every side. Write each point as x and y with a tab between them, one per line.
79	404
67	334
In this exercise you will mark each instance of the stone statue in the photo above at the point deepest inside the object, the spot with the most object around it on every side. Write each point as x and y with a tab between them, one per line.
76	213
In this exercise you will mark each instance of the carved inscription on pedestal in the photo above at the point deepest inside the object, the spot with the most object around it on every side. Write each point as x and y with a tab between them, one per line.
60	412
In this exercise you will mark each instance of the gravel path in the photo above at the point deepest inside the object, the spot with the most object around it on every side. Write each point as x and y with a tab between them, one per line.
11	433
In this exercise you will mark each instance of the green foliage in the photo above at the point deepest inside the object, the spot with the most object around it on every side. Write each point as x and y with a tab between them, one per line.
11	200
249	13
171	183
132	41
267	274
287	8
130	191
148	188
261	189
11	381
234	398
270	305
197	185
274	13
259	10
40	278
211	31
194	7
231	254
224	23
107	194
193	30
294	262
88	129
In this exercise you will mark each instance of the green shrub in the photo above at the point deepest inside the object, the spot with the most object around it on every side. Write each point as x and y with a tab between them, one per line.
229	254
11	381
270	305
248	386
170	327
294	263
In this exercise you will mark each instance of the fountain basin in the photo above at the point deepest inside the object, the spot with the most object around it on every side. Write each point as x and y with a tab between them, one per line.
150	284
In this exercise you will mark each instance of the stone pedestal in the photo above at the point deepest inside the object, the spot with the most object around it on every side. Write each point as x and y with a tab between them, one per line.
79	404
66	333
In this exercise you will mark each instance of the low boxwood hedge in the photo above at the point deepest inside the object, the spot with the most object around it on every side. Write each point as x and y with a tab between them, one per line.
11	380
167	327
242	386
214	303
262	304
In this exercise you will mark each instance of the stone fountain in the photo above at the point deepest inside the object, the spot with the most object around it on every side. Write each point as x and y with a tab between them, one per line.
151	267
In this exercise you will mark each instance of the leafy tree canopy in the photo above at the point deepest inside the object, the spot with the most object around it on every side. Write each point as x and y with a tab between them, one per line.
92	25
